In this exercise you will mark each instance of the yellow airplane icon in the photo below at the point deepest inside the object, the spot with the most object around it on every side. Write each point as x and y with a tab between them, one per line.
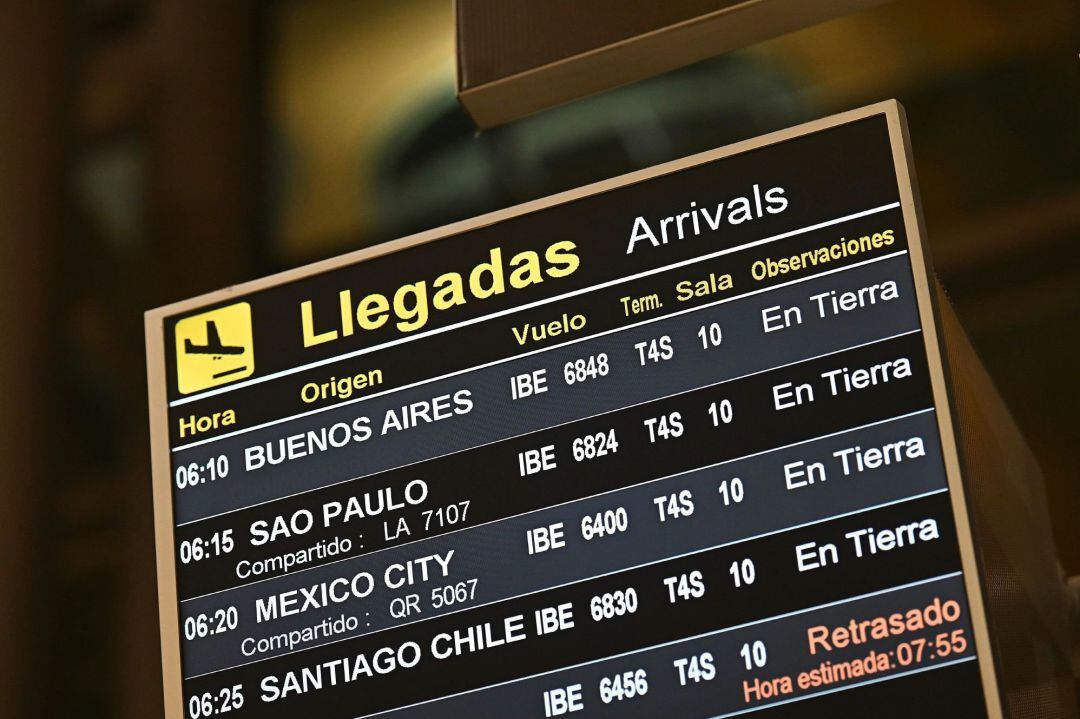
203	358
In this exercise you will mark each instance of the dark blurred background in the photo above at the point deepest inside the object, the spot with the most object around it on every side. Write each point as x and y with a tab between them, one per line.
155	149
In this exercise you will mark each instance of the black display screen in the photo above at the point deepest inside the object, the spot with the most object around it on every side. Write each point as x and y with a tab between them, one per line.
665	447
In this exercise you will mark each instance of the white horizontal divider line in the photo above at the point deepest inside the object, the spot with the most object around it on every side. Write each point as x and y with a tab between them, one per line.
694	638
555	426
683	555
531	305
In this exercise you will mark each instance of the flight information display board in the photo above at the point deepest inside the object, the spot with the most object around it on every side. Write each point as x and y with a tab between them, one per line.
675	444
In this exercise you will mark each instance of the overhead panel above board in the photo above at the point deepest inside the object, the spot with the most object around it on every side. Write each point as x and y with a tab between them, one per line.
515	58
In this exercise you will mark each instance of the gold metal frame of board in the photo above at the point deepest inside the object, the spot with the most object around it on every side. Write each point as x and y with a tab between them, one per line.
898	137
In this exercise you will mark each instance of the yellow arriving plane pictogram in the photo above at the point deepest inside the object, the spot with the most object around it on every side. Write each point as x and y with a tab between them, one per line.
214	348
